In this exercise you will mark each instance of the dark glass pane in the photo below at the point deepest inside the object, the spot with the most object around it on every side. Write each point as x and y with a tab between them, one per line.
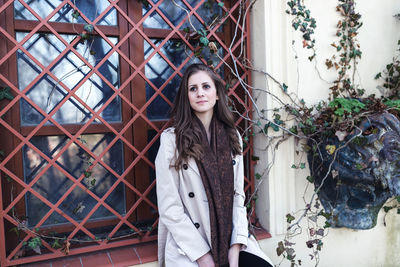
47	93
158	71
89	8
53	183
208	11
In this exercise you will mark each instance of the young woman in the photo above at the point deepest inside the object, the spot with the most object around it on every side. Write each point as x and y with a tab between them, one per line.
199	170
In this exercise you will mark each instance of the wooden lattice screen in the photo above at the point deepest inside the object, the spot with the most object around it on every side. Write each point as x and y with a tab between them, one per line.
85	91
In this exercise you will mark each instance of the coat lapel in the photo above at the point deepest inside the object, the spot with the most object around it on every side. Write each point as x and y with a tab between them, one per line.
192	164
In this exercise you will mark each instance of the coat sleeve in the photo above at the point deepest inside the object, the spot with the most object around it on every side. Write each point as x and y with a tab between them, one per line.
239	216
170	206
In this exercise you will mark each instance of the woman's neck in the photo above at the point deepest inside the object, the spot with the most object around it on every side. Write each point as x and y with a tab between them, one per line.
205	119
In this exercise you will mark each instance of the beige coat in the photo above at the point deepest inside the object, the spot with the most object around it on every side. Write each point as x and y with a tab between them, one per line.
184	226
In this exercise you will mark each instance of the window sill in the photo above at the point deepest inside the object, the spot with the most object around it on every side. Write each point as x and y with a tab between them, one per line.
261	233
121	256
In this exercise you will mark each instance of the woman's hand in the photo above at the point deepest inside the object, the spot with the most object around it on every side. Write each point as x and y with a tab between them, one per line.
233	255
206	260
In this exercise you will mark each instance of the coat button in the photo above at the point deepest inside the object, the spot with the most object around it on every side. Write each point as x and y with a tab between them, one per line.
233	162
191	194
197	225
185	166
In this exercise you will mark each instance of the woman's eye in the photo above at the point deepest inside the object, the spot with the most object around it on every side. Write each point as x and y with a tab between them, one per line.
192	89
206	86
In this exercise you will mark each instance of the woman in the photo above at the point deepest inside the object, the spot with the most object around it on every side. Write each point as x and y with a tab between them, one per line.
199	170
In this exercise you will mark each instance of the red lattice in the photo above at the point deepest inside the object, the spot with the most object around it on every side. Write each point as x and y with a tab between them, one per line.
138	222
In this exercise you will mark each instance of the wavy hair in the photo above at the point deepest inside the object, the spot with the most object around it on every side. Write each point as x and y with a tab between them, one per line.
187	137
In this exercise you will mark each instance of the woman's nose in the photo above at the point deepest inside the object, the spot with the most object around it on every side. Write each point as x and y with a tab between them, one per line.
200	92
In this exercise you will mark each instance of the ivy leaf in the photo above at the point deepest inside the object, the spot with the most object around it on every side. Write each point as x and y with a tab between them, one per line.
290	218
285	87
255	158
327	224
221	4
293	130
280	249
387	208
330	149
293	166
56	244
302	165
75	14
88	27
320	232
186	29
5	93
258	176
204	41
311	179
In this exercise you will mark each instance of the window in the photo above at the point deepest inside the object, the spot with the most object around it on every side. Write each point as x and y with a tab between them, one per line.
92	84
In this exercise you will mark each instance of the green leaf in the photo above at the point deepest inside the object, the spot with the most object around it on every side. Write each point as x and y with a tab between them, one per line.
289	218
285	87
2	153
311	179
275	127
204	41
75	14
88	27
387	208
5	93
327	224
302	165
15	230
280	249
221	4
255	158
56	244
293	166
257	176
186	29
377	76
398	199
87	174
293	130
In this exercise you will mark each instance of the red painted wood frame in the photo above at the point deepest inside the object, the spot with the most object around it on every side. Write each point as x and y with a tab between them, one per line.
132	131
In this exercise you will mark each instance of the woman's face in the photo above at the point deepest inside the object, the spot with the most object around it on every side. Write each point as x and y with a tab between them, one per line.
202	93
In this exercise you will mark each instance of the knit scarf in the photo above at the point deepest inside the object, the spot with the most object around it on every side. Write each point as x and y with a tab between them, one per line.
216	171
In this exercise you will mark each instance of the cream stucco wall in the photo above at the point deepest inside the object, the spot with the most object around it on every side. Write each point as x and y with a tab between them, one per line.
282	190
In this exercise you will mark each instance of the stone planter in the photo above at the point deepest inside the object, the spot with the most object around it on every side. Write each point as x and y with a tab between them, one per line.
364	175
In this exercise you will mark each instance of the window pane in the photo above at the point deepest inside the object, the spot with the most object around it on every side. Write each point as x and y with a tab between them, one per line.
47	93
208	11
89	8
53	183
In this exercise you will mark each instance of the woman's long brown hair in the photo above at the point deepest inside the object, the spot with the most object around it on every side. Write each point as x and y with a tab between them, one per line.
188	138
